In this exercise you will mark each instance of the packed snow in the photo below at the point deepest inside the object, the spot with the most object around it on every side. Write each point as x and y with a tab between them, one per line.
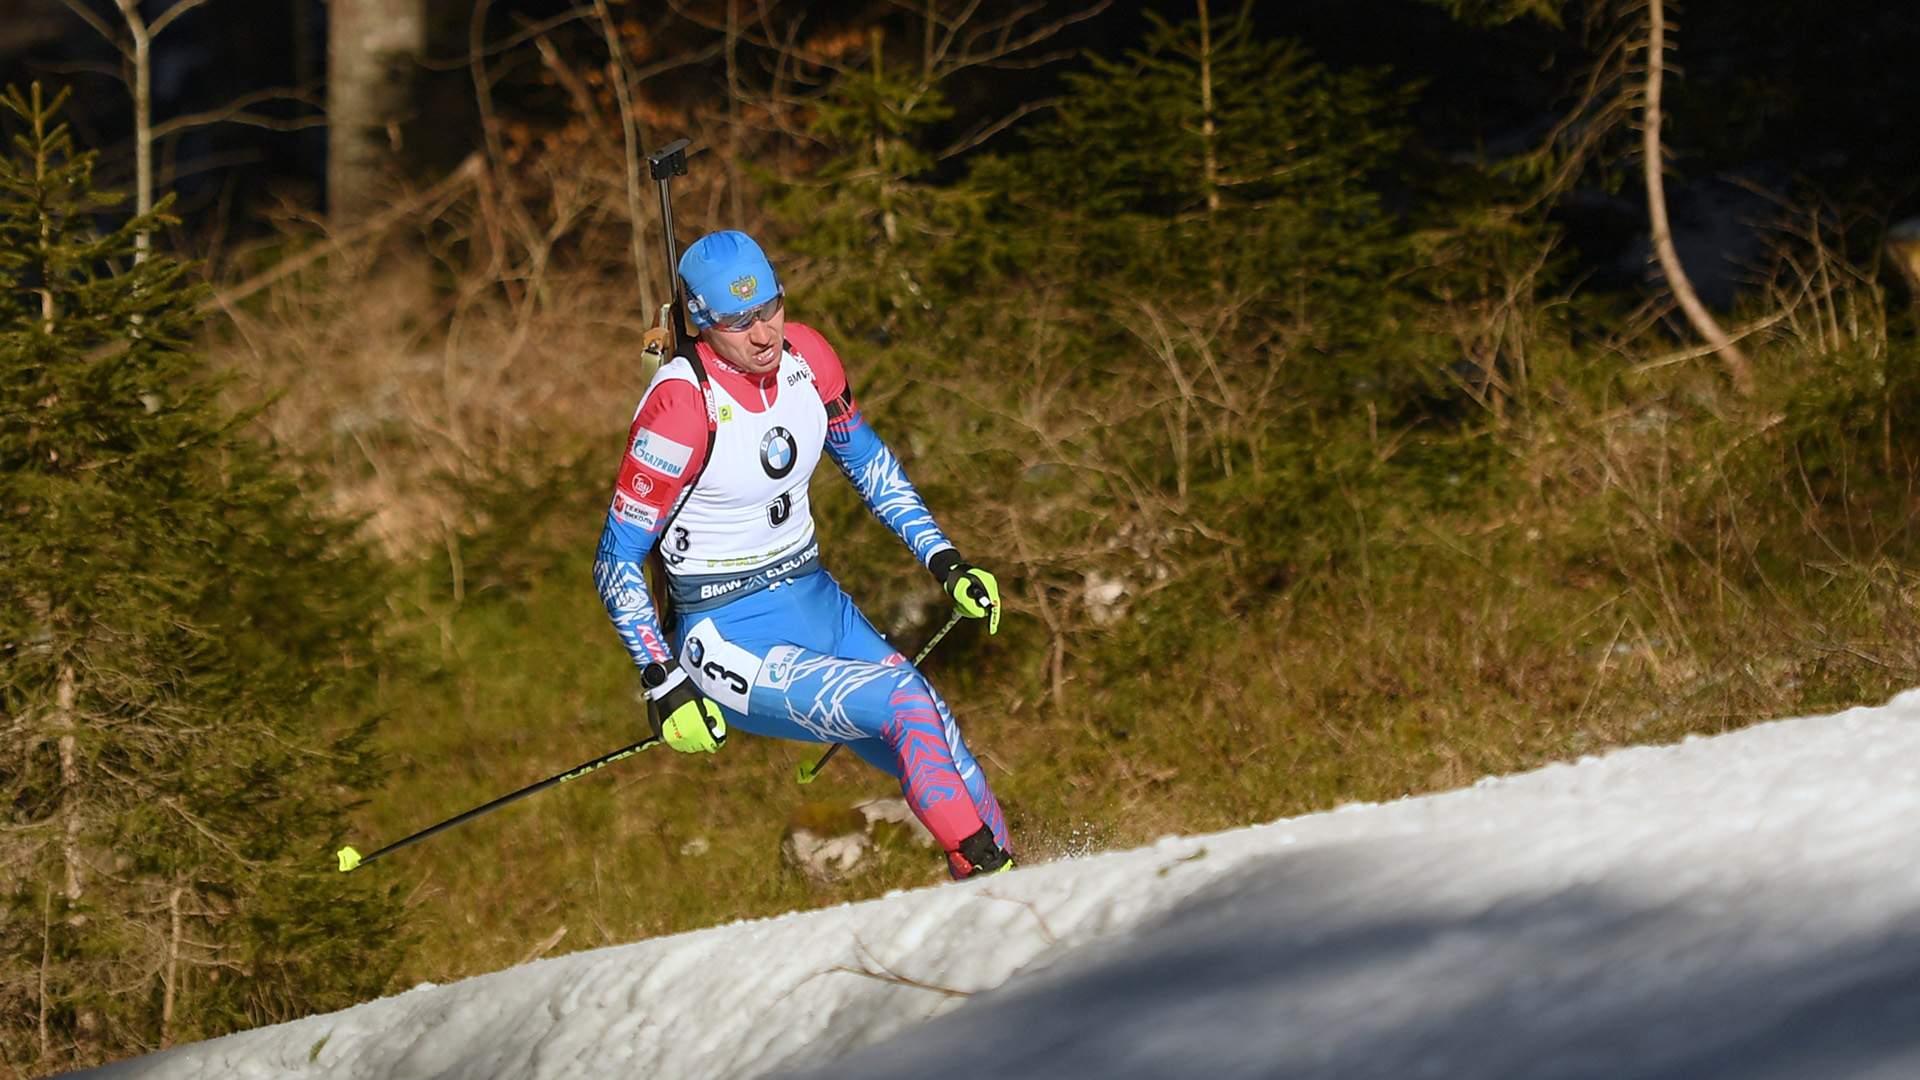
1744	905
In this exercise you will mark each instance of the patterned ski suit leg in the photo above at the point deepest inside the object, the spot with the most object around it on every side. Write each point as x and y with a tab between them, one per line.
919	708
801	662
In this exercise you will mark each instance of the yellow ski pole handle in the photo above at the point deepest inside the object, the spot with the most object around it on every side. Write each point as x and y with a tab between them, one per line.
807	774
351	859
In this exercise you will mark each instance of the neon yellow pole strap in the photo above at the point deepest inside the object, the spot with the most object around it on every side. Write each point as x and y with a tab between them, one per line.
696	727
986	605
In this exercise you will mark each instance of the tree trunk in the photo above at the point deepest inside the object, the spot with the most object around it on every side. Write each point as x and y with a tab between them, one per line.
170	980
142	119
1703	322
889	222
1210	163
373	47
46	965
87	1020
65	697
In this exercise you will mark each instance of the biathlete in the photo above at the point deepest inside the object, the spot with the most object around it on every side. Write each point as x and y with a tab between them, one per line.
715	477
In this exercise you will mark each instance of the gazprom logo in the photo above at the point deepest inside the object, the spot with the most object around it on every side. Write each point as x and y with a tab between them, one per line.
659	453
780	666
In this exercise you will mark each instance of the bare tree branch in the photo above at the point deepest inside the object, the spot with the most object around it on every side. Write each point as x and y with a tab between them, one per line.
527	33
82	67
701	55
166	18
1007	45
425	202
630	136
1735	361
982	134
235	111
94	20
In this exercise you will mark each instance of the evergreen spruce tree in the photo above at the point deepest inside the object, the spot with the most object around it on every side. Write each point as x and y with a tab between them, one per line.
866	218
1208	161
1196	241
1203	213
179	630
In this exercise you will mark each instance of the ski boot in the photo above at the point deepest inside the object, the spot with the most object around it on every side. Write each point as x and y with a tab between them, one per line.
979	855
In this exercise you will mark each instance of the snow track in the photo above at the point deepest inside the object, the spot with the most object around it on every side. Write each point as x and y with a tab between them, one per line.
1746	905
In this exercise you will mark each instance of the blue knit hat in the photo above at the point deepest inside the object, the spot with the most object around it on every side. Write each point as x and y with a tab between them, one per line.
724	273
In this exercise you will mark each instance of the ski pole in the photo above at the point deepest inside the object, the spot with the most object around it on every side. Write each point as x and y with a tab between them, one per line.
808	775
350	858
662	165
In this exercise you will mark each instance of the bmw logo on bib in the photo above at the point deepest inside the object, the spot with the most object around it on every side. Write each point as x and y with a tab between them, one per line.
777	452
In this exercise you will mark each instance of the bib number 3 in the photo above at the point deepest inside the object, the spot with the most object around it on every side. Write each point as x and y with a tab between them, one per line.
723	671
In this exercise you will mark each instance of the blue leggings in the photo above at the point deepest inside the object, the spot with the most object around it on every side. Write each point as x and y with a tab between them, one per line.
799	661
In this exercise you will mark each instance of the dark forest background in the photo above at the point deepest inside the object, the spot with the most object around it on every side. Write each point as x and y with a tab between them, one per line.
1786	95
1310	373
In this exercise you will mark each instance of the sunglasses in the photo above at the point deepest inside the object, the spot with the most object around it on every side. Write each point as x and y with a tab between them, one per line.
741	320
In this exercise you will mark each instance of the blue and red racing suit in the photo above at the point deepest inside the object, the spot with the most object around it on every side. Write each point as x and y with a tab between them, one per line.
762	628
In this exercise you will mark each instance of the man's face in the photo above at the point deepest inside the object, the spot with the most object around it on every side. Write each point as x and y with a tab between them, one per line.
755	349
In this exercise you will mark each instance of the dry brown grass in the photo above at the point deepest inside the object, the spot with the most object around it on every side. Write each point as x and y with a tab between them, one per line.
395	388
